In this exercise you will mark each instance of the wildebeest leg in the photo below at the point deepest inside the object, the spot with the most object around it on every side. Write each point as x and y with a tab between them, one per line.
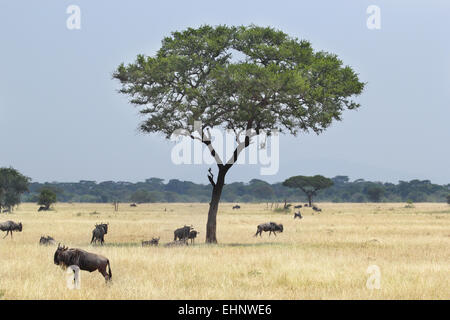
6	234
270	232
93	237
274	233
102	270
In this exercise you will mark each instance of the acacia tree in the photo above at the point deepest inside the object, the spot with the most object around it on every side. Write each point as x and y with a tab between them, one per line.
248	79
309	185
47	197
12	185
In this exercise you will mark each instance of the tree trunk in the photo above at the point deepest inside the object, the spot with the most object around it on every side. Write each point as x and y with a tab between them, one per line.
310	199
214	207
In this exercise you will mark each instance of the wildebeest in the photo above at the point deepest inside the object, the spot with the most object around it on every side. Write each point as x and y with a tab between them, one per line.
182	233
133	205
298	215
270	226
153	242
298	207
192	235
316	209
305	205
236	207
9	227
87	261
47	241
43	208
177	243
98	234
7	210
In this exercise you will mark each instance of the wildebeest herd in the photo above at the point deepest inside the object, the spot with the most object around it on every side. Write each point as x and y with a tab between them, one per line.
66	257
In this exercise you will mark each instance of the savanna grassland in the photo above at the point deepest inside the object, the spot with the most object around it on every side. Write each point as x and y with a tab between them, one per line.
322	256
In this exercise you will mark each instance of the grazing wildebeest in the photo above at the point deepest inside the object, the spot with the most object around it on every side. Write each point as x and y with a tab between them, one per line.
153	242
192	235
271	227
316	209
177	243
43	208
99	232
7	210
47	241
9	227
182	233
298	215
236	207
305	204
133	205
87	261
298	207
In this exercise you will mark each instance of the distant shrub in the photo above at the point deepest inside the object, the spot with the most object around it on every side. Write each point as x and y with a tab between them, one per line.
281	210
409	204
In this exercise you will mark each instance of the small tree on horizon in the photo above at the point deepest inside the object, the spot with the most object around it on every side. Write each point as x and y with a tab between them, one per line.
47	197
309	185
248	79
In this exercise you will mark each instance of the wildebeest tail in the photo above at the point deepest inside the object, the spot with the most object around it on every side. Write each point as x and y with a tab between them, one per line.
109	271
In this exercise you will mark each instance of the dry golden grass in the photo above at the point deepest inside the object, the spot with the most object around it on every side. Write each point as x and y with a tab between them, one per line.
322	256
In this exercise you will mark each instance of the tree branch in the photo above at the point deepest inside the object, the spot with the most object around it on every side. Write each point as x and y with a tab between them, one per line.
211	178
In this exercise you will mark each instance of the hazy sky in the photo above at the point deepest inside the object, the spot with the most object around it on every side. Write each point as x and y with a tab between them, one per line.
61	118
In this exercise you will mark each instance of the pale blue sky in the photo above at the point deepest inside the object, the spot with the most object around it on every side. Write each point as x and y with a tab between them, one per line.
61	118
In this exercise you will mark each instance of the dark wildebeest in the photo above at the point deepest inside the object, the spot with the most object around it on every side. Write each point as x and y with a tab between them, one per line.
133	205
298	207
84	260
153	242
7	210
9	227
43	208
316	209
192	235
236	207
47	241
305	204
298	215
98	234
271	227
177	243
182	233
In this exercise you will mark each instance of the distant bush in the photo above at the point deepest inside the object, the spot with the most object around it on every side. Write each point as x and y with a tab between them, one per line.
281	210
409	204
